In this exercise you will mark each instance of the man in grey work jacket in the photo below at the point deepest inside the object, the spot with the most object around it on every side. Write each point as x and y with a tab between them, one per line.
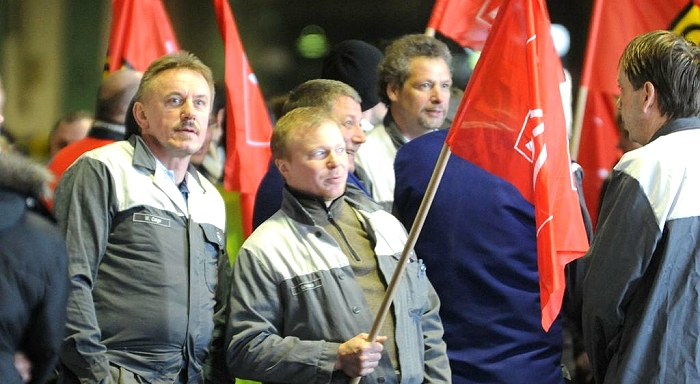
308	283
145	239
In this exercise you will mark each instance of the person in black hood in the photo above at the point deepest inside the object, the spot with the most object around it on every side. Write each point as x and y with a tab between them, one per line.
33	277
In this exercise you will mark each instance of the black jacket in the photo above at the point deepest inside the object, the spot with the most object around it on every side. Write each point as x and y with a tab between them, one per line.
33	273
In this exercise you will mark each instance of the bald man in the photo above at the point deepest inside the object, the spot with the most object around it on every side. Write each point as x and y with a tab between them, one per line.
113	98
69	128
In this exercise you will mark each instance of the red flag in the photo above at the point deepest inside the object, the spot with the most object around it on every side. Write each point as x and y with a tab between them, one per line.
511	123
467	22
141	32
248	123
608	36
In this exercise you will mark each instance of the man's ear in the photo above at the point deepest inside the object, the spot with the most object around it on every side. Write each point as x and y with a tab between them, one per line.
650	96
283	167
392	91
140	115
220	117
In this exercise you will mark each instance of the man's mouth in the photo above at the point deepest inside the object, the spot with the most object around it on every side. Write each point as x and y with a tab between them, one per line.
435	112
187	127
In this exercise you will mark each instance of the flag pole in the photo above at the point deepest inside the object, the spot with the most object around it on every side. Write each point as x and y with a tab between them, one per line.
435	17
412	235
531	54
410	243
585	79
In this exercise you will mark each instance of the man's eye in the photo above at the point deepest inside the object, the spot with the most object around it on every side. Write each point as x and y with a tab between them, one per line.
201	103
175	100
318	154
349	124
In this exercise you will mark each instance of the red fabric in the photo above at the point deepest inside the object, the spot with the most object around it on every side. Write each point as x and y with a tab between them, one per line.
68	155
511	123
467	22
248	123
619	21
140	33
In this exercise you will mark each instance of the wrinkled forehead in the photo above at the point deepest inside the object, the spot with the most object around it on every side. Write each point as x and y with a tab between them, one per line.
179	79
326	133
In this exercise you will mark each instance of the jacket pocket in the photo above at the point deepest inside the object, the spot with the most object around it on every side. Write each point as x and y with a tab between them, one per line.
214	249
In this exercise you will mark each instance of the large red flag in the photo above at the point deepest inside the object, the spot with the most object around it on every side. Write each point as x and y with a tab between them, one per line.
511	123
248	123
467	22
140	33
608	35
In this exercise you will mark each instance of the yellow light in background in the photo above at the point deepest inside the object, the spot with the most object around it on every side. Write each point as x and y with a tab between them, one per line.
312	42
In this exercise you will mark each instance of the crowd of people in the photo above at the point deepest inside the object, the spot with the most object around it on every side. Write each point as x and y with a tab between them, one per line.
115	266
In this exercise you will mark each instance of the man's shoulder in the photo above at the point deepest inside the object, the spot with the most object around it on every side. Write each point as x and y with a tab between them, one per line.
377	135
377	151
270	233
271	183
113	152
425	144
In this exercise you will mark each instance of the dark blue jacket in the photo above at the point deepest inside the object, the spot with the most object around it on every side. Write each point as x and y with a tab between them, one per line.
479	245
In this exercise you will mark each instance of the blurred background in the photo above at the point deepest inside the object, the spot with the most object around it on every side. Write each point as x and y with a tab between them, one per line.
52	52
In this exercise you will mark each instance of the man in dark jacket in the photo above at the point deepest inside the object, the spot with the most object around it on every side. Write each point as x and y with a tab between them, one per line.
33	277
479	244
640	293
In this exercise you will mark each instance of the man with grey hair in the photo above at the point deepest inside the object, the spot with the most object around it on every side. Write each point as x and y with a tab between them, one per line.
343	102
640	293
415	78
146	245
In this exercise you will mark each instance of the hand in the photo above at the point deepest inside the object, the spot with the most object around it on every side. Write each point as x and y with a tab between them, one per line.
23	366
358	357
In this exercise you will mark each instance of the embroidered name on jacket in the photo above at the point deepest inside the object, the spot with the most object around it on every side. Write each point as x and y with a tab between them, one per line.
151	219
306	285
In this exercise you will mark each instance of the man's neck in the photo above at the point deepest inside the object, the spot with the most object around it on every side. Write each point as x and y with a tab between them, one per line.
177	164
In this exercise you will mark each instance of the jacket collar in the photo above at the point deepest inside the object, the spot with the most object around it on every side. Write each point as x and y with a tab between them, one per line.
295	209
392	129
144	158
105	130
677	125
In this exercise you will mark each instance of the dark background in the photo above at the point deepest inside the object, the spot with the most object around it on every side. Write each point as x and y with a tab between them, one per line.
269	30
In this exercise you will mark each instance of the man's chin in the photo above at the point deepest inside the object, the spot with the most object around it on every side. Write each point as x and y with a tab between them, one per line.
351	163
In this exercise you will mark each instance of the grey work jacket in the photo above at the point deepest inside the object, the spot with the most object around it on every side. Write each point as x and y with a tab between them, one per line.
294	300
143	263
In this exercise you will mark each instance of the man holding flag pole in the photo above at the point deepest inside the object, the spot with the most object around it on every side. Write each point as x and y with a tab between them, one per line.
309	280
